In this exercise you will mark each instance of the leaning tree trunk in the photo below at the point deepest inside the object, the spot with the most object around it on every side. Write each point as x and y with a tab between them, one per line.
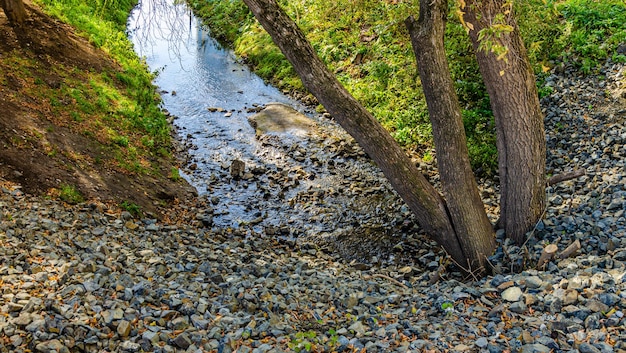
427	205
15	11
511	86
459	185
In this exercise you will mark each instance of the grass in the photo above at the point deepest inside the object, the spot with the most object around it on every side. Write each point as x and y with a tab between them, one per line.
132	208
366	45
120	108
70	194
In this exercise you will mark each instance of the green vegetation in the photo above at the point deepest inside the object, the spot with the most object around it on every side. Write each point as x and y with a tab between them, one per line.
118	107
70	194
132	208
175	174
366	44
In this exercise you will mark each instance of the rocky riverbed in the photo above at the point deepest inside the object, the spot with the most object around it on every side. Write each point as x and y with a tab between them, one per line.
91	278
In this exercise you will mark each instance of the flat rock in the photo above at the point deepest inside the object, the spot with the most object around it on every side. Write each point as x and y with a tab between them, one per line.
512	294
280	118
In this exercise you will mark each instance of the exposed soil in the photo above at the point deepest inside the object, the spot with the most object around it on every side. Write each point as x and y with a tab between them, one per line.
39	149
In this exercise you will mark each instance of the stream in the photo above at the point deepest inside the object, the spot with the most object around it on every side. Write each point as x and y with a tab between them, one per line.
316	183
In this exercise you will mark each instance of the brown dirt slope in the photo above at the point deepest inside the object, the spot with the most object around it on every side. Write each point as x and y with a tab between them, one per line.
41	149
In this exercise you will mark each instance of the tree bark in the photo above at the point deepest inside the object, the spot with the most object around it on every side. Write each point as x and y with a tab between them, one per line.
15	11
466	209
511	86
425	202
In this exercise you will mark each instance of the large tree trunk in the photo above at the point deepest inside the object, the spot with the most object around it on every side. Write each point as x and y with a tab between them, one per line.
459	185
15	11
420	196
519	122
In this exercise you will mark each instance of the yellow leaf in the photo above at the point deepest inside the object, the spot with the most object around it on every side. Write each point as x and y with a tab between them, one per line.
502	56
501	72
469	25
544	68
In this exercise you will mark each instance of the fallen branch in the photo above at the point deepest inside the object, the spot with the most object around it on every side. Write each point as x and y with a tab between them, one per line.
566	176
393	280
547	255
570	250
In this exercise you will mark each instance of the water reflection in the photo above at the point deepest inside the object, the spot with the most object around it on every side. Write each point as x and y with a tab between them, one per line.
198	74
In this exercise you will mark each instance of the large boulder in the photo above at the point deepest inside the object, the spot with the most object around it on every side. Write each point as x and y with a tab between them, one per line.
277	118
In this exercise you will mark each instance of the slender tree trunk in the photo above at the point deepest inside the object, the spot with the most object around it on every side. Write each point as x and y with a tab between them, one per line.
459	185
15	11
427	205
519	122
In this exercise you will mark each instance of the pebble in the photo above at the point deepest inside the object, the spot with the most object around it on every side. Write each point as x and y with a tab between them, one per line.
78	278
512	294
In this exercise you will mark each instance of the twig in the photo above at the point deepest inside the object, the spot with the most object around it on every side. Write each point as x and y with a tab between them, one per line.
467	270
393	280
565	176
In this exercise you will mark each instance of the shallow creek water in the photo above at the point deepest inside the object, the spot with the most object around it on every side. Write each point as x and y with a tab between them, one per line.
295	184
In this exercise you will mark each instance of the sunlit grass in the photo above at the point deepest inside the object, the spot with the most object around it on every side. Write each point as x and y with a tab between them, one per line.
121	107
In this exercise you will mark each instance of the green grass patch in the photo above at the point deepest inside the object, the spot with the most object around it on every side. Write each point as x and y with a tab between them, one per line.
131	207
70	194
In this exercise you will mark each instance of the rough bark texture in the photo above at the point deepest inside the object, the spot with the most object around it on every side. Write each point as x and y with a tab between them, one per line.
466	209
519	122
15	11
419	195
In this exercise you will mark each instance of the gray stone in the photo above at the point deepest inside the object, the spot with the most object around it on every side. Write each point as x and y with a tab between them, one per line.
512	294
534	348
36	325
358	328
51	346
608	299
118	314
588	348
570	297
16	340
151	336
518	307
23	320
129	346
280	118
482	342
182	341
123	328
199	322
533	282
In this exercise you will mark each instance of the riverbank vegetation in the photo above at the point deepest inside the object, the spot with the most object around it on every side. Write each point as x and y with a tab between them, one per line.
142	125
80	120
366	45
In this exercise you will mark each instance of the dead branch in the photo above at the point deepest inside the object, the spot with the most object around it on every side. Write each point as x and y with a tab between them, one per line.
570	250
565	176
547	255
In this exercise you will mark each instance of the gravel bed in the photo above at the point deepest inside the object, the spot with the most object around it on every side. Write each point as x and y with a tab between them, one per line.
87	278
